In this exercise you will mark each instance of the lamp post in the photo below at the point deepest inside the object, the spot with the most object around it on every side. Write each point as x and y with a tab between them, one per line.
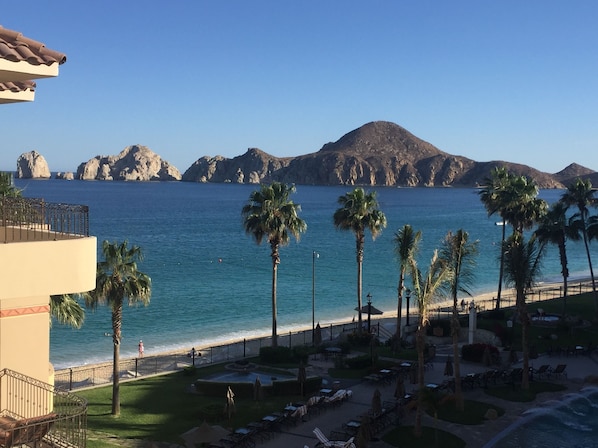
369	296
314	255
407	296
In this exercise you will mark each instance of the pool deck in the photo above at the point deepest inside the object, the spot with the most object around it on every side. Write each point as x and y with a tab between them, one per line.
476	436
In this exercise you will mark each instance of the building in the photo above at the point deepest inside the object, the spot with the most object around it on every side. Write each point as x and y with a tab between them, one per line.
45	249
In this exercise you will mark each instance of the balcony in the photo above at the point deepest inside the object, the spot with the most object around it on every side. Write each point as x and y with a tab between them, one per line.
37	414
28	219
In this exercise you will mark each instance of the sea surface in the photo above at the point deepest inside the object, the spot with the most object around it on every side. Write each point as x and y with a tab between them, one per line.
212	282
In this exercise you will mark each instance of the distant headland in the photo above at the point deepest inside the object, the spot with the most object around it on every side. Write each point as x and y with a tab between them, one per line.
379	153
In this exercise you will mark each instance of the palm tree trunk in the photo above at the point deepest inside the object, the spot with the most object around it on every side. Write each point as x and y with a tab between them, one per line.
117	314
359	250
275	262
420	343
522	308
399	306
455	328
565	272
501	268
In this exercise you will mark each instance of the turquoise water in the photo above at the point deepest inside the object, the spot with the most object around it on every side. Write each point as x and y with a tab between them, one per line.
570	422
211	282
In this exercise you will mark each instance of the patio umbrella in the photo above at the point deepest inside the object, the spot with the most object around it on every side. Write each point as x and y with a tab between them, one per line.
377	403
400	388
448	368
302	377
229	407
373	311
257	389
318	335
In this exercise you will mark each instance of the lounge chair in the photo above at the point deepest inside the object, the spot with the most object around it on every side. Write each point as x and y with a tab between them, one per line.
542	371
559	371
324	442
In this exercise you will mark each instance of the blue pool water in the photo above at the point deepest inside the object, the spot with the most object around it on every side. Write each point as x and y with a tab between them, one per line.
569	422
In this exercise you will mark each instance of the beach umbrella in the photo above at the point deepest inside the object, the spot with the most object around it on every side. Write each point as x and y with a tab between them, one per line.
400	388
257	389
318	335
377	403
302	377
448	368
365	433
229	407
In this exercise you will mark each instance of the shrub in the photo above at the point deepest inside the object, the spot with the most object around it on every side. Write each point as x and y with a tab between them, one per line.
475	352
495	314
445	324
276	355
359	362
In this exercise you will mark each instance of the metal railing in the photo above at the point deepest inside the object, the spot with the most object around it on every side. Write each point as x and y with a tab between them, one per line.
34	412
29	219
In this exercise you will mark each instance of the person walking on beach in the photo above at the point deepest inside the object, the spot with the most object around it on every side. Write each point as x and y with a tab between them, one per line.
140	348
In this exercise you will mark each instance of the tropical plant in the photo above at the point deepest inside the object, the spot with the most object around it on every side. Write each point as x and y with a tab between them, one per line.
118	278
406	245
459	254
66	310
581	195
522	269
7	188
425	290
359	212
271	214
554	228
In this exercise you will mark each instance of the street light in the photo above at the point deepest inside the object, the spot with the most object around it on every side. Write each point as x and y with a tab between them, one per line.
314	255
369	296
407	297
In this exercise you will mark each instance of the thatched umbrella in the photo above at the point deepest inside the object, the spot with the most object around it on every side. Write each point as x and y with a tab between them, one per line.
257	389
203	434
400	388
302	377
318	335
229	407
377	403
448	368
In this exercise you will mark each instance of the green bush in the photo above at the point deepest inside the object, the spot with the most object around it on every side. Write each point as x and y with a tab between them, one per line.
276	355
445	324
359	362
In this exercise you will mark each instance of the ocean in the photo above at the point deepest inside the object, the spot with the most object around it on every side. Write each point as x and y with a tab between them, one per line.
211	282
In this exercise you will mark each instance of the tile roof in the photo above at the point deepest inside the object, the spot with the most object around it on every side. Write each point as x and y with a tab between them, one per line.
19	86
15	47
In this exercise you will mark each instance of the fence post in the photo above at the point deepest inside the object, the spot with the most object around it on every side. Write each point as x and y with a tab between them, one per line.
71	379
244	346
136	365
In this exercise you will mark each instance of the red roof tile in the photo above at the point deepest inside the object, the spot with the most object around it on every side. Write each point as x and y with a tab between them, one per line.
16	48
19	86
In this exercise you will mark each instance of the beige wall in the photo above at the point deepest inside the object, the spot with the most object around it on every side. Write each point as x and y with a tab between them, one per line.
30	272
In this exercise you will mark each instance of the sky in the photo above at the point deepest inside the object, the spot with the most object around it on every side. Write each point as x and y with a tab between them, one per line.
489	80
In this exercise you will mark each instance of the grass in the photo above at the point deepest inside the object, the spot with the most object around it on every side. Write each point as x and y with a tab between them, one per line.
507	392
473	413
159	409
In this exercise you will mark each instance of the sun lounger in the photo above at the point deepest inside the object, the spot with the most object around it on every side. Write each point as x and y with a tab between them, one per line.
324	442
560	371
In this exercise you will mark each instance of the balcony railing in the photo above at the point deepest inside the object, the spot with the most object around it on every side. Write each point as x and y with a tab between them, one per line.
28	219
37	414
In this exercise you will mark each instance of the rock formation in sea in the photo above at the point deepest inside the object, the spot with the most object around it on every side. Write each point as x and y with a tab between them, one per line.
68	175
379	153
32	165
134	163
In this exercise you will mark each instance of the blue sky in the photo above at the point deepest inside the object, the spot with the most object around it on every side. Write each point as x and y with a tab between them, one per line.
488	80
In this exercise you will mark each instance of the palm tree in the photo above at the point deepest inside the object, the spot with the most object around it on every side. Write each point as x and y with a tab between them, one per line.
7	188
493	197
359	212
554	229
118	278
66	310
522	268
581	195
406	245
522	207
459	255
271	214
425	290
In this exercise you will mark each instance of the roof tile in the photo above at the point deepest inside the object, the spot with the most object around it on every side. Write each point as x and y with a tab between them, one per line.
20	86
16	48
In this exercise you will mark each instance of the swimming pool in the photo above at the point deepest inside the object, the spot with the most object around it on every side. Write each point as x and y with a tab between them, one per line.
571	421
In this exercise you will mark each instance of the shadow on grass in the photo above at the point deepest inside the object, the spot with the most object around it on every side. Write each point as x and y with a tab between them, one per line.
474	412
403	436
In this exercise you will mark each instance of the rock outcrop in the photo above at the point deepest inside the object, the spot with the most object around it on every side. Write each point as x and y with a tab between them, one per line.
134	163
377	154
32	165
65	176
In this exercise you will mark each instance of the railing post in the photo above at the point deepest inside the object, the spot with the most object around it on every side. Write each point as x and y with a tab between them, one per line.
136	362
70	379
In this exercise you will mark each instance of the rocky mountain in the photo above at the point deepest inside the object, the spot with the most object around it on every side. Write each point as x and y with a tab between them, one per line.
378	153
32	165
132	163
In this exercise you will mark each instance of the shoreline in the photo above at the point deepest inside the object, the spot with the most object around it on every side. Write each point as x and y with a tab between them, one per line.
388	319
